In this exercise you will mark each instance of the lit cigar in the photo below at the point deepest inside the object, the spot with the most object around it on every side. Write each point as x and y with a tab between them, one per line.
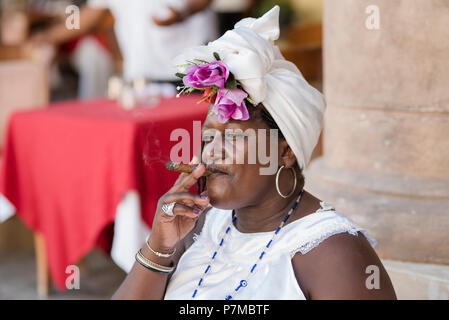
186	168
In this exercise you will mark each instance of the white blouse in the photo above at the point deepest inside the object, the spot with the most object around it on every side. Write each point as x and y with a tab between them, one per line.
272	278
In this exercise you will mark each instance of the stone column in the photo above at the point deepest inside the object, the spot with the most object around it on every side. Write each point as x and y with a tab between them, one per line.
385	160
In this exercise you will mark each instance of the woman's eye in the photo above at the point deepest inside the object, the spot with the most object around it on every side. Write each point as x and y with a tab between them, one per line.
233	135
207	138
230	136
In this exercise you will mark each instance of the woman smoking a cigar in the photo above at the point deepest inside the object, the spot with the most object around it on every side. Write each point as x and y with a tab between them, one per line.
252	235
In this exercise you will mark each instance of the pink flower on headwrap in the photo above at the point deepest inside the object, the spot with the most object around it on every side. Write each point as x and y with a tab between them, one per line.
206	75
231	104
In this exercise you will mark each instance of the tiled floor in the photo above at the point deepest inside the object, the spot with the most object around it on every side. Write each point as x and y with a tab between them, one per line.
98	280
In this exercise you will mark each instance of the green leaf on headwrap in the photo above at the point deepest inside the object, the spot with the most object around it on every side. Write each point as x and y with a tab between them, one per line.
231	83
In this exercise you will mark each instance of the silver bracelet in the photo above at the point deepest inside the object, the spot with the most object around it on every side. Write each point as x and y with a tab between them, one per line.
150	265
159	254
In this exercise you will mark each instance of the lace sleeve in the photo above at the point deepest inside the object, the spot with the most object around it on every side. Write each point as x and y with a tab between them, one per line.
313	237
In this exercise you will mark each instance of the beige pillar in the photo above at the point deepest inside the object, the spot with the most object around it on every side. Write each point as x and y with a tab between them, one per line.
385	157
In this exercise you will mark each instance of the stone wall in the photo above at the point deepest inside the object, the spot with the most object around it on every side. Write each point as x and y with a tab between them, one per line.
385	160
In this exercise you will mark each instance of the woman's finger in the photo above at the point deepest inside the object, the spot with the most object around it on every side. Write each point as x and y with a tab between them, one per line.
186	197
184	174
185	184
180	209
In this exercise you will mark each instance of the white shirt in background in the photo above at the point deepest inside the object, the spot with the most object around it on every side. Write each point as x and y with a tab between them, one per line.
147	48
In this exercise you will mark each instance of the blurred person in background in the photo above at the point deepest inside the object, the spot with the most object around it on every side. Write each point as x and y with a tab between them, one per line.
82	63
92	56
149	33
229	12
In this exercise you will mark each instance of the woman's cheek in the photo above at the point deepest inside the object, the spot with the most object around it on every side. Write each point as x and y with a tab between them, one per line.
236	151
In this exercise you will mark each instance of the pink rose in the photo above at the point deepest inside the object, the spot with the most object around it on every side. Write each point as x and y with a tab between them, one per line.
205	75
231	104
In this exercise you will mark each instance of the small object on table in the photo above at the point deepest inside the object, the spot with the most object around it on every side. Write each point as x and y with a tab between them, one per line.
127	98
115	86
139	84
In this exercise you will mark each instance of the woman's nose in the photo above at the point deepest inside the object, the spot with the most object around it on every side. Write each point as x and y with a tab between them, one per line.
213	150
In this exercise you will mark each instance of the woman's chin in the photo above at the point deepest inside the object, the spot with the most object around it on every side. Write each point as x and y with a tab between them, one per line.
219	196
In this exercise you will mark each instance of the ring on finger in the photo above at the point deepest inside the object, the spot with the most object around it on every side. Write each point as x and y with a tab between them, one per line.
168	208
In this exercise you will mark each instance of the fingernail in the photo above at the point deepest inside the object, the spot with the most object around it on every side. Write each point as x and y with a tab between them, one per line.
203	196
196	211
194	167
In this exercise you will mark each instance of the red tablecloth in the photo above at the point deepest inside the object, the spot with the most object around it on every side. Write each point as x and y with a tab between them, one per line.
65	169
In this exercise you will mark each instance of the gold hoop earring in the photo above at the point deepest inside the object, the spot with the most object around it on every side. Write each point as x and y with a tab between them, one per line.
277	182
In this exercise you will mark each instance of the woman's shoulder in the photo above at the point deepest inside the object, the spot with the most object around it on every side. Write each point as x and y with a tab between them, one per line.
333	258
343	267
309	231
316	221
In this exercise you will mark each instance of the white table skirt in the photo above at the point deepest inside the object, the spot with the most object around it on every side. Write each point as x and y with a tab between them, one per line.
130	230
7	210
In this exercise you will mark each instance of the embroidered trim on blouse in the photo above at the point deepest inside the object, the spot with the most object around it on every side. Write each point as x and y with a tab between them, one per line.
329	230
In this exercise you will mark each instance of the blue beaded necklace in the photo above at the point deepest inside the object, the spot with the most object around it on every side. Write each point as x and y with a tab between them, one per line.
244	282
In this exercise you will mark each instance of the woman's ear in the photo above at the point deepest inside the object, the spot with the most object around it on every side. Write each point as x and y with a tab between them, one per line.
287	157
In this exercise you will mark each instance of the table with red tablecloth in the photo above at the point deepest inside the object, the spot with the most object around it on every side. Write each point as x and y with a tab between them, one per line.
66	168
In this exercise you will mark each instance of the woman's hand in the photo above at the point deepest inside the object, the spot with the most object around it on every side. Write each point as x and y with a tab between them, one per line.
168	230
173	17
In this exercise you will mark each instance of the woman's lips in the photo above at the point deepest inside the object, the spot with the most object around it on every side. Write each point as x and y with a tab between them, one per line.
217	171
218	178
217	174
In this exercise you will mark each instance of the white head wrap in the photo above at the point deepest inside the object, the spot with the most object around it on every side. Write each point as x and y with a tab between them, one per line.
250	54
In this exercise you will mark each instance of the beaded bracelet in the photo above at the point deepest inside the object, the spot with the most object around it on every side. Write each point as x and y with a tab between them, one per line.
159	254
150	265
